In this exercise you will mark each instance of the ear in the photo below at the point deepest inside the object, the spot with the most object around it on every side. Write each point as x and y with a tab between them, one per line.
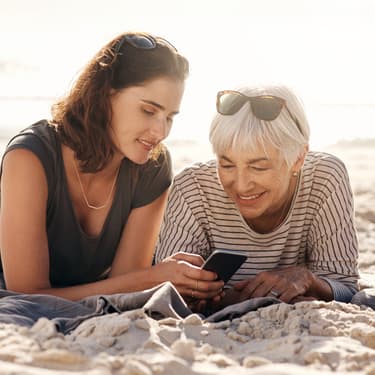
300	160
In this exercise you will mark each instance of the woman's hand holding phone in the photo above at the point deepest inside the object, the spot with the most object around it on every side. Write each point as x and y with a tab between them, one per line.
185	271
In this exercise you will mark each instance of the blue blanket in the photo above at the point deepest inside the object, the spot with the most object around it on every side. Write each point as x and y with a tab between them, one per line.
159	302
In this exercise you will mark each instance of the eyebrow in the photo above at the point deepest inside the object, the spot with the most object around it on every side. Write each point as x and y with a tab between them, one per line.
250	161
157	105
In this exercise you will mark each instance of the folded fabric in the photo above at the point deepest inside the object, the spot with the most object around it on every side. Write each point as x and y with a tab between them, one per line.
159	302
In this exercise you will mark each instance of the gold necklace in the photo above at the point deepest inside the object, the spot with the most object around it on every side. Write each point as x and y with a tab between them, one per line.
83	191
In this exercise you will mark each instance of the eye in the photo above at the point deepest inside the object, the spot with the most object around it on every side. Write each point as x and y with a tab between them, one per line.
148	111
226	166
258	169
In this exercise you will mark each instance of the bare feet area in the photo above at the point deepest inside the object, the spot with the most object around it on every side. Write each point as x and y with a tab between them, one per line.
305	338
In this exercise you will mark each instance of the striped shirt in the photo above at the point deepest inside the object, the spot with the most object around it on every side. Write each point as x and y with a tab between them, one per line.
318	231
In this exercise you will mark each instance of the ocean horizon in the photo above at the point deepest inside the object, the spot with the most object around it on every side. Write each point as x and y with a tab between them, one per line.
329	123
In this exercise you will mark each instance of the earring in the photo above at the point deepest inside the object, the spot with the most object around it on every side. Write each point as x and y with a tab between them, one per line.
295	174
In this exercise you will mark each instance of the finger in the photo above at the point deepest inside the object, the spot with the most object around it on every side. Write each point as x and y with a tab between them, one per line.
200	289
194	272
201	305
204	289
185	273
217	298
193	295
194	259
251	287
209	286
207	295
290	295
260	290
240	284
277	290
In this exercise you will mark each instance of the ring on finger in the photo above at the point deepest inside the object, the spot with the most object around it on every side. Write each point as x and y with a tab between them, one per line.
192	293
275	293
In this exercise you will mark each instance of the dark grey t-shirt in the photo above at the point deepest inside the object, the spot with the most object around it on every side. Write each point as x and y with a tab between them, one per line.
76	258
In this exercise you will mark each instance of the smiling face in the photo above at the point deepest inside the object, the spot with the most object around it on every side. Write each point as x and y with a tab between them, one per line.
260	184
143	116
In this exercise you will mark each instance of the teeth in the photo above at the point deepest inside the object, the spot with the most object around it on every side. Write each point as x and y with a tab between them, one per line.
249	197
146	143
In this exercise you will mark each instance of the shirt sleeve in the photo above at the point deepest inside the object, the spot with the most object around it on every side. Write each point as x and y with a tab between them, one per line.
332	240
153	179
182	229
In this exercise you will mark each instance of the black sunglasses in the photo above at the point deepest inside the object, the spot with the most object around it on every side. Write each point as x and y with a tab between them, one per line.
264	107
142	41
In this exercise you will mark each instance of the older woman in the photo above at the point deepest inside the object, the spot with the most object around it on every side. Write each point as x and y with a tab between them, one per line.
289	209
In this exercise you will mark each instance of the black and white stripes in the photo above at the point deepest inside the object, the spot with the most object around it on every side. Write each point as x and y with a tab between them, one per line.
318	231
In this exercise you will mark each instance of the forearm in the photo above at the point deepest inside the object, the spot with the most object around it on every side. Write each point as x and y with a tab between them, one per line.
130	282
342	285
341	292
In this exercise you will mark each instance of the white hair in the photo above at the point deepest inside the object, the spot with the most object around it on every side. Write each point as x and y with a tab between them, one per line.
243	131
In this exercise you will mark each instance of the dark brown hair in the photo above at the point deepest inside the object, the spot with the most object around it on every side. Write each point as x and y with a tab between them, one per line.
83	117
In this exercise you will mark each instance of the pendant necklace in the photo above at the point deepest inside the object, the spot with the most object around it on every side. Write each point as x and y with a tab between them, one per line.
83	191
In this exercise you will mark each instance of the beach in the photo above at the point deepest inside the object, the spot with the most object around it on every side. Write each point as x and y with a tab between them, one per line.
305	338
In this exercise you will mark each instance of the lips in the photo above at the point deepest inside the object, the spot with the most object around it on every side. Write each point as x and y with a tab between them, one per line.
250	199
146	144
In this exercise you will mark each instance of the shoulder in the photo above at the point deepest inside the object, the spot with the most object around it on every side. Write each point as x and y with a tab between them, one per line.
32	150
198	173
324	174
323	160
23	168
199	182
39	136
323	164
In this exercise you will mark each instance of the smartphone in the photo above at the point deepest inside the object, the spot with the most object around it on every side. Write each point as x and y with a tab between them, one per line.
225	263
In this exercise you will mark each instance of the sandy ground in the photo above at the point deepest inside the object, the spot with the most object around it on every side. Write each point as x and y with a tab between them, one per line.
306	338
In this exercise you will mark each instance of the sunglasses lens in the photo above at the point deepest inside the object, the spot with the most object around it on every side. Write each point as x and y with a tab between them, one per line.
230	103
266	107
141	41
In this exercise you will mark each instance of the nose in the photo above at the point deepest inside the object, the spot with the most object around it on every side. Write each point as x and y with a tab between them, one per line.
160	129
244	182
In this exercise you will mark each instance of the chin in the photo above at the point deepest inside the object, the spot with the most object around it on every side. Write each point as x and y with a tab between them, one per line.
250	215
139	160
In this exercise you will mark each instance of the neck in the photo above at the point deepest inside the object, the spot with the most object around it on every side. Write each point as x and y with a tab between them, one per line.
95	190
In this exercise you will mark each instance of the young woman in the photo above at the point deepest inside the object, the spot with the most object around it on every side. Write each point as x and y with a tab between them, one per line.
82	195
289	209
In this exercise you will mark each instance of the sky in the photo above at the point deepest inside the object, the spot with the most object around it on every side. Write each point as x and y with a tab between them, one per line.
323	49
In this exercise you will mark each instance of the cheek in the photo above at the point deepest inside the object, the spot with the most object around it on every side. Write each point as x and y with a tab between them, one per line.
223	178
279	184
226	181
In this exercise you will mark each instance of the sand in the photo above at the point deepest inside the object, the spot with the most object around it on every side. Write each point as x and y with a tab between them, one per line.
305	338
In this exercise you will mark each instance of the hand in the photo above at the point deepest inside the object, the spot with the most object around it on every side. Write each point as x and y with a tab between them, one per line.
287	284
185	272
205	306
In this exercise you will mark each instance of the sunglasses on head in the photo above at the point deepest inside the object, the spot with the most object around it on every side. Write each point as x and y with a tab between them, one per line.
142	41
264	107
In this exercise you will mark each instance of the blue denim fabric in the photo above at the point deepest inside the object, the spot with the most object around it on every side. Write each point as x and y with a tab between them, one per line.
366	297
